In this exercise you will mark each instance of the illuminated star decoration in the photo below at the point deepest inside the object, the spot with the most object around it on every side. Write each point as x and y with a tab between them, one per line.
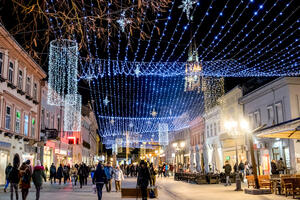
148	122
153	113
112	121
186	6
123	21
137	71
131	125
106	101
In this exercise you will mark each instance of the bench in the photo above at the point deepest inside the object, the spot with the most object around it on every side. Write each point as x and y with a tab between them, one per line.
136	192
264	181
250	181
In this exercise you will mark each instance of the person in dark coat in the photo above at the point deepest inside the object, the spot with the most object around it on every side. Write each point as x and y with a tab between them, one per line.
86	173
99	179
38	176
7	171
227	168
59	173
81	174
66	173
53	173
14	177
274	167
25	174
143	179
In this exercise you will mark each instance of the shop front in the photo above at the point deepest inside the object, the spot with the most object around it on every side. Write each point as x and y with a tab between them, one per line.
5	157
30	153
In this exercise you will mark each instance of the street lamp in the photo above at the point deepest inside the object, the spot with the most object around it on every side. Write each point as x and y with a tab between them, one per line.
233	127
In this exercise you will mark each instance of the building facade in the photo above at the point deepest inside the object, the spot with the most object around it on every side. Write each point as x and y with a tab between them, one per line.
232	110
213	147
271	105
20	96
197	128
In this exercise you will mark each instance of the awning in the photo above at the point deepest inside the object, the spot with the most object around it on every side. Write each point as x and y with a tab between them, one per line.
288	130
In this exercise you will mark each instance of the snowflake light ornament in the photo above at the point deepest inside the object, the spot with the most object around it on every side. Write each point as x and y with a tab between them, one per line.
137	71
186	6
106	101
123	21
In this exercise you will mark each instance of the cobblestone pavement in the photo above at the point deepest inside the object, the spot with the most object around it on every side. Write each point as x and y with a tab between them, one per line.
168	190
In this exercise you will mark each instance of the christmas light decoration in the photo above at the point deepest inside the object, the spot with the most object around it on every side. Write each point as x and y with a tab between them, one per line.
163	134
72	112
62	73
123	21
186	6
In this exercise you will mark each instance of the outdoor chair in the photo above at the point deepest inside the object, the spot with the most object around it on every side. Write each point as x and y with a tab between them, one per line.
264	181
286	185
250	181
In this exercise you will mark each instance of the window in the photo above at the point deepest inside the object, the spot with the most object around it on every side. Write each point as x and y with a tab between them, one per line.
211	130
26	120
257	119
28	85
58	123
1	63
47	120
270	115
43	119
7	117
34	91
53	119
207	131
33	127
11	72
251	120
215	129
219	127
20	80
18	121
279	113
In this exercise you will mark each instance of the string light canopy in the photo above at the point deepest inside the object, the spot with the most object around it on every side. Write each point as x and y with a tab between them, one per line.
144	67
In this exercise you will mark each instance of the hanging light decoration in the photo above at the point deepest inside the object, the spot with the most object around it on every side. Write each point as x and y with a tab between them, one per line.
62	70
72	114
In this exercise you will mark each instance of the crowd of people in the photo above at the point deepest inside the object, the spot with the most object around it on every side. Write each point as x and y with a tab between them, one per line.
20	175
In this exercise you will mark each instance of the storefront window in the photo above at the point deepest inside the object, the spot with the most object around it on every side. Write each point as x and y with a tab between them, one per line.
276	153
26	120
18	121
287	157
7	118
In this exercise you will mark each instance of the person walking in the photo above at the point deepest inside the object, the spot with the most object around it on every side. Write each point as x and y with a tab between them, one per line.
25	175
66	173
143	179
274	167
242	170
119	177
81	175
74	175
52	173
99	179
86	173
152	175
109	174
14	177
167	170
7	171
280	166
227	168
59	173
38	176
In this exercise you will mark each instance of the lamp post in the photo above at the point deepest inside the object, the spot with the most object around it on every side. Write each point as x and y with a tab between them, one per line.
234	127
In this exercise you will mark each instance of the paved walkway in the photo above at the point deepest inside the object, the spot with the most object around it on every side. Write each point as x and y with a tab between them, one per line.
168	190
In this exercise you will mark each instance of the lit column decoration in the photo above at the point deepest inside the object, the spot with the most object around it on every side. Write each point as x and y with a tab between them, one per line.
72	113
62	70
163	133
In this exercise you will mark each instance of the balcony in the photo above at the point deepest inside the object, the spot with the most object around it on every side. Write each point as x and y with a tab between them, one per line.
28	96
1	78
35	101
20	91
11	85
